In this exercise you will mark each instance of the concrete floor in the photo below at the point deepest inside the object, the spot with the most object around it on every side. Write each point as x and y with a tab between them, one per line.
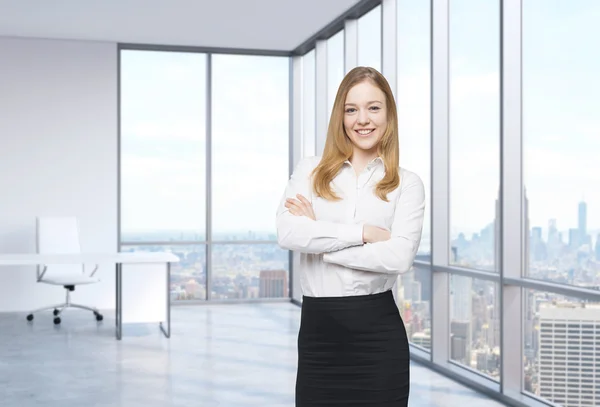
219	355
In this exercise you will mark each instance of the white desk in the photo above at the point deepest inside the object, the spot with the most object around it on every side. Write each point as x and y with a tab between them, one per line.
118	259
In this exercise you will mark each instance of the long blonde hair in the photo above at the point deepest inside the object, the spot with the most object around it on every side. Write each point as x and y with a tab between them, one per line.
339	148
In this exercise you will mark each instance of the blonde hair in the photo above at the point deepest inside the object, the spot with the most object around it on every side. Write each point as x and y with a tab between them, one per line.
339	148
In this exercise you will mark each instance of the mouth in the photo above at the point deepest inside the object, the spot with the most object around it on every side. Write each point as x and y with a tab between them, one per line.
364	132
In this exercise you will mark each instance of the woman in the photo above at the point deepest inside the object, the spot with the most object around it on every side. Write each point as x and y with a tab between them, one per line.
356	218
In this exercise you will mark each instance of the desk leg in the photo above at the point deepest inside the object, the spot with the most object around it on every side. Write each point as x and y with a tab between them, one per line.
119	310
167	331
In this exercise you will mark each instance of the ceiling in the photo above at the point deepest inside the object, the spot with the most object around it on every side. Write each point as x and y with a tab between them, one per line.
280	25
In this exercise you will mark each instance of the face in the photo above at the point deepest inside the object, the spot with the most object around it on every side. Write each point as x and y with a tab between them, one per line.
365	116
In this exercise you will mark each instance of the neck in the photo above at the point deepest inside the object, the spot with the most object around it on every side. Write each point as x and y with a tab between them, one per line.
360	159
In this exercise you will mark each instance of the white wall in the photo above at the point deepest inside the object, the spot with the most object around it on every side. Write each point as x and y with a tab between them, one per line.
58	156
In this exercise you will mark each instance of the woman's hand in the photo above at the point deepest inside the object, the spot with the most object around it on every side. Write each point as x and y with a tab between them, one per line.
300	207
372	234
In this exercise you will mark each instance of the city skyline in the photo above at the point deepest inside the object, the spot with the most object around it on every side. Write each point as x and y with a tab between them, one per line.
474	85
546	170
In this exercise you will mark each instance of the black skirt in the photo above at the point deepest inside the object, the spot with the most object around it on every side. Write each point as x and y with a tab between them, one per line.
352	351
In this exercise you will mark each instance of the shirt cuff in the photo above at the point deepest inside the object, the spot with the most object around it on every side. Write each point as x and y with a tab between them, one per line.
352	234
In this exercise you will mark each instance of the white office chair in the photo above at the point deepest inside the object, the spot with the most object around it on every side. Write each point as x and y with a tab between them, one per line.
60	235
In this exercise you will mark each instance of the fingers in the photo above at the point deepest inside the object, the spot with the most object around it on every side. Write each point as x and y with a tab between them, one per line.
295	207
300	206
303	200
292	203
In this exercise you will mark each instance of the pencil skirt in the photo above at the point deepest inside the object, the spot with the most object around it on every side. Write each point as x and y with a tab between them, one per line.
352	351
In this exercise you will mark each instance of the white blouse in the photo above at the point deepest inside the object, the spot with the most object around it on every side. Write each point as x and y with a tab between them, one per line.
334	261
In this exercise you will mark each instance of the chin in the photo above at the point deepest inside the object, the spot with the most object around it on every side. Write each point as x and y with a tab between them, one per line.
366	144
366	148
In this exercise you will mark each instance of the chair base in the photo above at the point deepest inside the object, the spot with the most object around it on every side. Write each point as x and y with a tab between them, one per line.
59	308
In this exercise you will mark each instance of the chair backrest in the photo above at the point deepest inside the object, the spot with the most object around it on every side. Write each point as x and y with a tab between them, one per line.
58	235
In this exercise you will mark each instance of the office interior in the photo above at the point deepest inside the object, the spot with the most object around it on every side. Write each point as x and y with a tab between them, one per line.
174	126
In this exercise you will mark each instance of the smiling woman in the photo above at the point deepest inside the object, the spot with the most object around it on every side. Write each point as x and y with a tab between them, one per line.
356	218
364	102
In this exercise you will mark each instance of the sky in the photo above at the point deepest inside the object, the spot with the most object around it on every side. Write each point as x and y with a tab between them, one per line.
164	134
163	123
163	157
561	101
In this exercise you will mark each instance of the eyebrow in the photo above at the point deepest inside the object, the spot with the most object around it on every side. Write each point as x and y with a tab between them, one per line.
372	101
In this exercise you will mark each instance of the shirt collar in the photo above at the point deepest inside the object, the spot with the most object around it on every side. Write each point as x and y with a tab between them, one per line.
375	161
372	163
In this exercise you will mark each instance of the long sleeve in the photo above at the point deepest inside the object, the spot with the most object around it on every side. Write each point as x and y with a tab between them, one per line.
302	234
396	255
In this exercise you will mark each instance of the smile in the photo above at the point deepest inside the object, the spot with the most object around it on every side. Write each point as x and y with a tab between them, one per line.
365	132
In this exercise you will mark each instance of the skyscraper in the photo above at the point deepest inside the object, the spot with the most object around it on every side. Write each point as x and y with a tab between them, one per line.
582	222
273	284
461	315
569	363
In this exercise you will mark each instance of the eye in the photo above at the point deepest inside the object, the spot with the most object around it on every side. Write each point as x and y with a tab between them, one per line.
350	110
375	108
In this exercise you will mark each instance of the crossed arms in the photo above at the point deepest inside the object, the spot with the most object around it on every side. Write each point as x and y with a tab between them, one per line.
342	243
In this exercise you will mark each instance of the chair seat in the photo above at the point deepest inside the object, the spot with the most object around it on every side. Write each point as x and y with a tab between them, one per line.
70	280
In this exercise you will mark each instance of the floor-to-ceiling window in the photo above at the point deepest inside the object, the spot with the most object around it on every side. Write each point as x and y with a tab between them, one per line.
474	63
308	101
335	68
413	101
369	39
474	157
561	143
250	142
163	161
204	150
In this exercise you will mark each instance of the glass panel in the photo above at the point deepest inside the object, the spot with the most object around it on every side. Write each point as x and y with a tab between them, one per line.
474	132
562	348
561	129
369	39
163	138
188	277
414	302
335	68
309	110
242	271
413	100
250	144
475	324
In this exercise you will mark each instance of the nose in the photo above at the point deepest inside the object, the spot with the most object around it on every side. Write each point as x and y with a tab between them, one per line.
363	117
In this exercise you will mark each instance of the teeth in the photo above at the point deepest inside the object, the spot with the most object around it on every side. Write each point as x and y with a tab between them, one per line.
364	132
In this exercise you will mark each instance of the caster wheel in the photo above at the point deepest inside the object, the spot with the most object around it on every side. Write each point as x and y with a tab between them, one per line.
56	321
99	317
30	317
55	312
